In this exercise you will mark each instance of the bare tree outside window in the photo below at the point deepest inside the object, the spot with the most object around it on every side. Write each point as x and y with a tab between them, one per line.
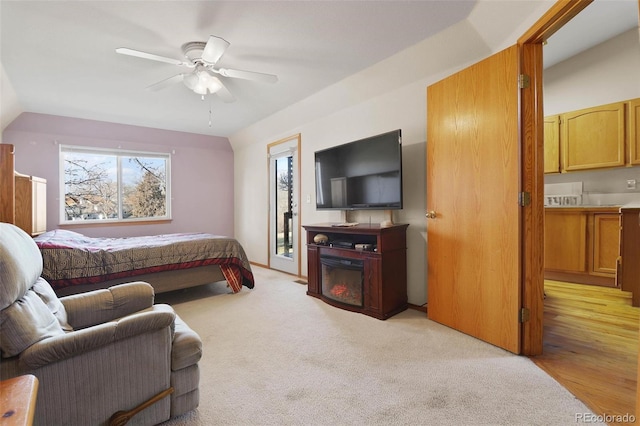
100	186
147	197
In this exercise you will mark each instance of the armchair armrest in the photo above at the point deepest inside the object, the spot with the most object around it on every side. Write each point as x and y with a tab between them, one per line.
66	346
99	306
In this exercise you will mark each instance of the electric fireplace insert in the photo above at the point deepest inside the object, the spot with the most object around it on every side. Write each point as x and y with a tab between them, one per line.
343	279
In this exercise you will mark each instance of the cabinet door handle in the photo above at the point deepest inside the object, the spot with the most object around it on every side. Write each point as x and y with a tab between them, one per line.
431	214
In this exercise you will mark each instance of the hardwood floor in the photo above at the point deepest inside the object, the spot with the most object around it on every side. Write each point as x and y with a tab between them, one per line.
591	345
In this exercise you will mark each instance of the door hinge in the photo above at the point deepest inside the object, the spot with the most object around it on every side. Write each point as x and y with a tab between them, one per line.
524	81
524	198
525	314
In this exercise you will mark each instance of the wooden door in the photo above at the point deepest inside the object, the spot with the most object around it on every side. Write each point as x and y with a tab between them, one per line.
473	253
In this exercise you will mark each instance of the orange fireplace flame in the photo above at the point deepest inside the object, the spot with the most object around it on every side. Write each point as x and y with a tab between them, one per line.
340	290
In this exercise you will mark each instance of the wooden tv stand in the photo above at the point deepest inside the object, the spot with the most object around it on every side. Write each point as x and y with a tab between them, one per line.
385	267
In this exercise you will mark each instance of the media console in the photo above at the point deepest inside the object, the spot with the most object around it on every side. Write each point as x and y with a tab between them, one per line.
360	268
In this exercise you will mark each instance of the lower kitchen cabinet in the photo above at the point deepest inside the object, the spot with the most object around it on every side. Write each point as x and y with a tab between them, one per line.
581	245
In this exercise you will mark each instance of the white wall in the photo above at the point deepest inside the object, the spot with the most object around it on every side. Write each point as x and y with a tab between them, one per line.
387	96
607	73
10	108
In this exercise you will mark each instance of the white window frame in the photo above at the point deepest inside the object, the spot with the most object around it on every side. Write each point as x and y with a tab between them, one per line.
119	153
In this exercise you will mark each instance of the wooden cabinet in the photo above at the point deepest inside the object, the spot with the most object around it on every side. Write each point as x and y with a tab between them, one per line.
565	237
384	265
31	204
628	278
594	137
581	245
7	183
606	243
552	144
634	131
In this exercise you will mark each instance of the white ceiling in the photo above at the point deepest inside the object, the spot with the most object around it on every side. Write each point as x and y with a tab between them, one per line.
59	56
600	21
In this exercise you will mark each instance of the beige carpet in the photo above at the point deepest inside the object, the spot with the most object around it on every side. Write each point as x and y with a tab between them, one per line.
275	356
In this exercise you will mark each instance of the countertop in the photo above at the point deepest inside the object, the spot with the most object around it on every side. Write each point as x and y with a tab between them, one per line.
586	207
634	205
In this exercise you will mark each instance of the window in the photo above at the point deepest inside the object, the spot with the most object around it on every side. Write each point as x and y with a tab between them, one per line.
113	185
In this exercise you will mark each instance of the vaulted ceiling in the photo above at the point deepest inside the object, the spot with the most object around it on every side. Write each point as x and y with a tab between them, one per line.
59	57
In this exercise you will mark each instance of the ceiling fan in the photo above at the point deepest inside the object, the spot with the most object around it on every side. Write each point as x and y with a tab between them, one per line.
202	58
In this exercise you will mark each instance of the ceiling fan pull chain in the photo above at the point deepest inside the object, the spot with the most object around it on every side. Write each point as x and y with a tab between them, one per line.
209	111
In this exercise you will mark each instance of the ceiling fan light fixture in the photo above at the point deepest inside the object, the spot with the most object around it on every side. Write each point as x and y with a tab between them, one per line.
210	82
202	82
190	80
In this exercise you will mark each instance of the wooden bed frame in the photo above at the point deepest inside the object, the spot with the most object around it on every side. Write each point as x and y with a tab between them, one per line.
160	281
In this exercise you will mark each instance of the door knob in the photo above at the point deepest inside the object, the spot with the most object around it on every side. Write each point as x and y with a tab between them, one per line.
431	214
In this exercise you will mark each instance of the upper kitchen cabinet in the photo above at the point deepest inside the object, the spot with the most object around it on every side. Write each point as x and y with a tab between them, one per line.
552	144
594	137
634	131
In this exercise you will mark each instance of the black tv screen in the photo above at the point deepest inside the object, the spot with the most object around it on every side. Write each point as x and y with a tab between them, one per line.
361	175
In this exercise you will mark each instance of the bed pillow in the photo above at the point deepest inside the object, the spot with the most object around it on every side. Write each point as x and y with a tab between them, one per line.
25	322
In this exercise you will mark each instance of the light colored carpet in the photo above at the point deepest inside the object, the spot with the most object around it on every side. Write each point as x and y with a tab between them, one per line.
275	356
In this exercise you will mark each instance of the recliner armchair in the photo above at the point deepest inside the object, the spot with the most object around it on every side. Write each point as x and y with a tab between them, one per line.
94	353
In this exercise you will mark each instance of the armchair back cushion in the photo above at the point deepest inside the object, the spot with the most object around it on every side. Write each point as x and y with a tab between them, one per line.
25	322
20	263
49	297
29	309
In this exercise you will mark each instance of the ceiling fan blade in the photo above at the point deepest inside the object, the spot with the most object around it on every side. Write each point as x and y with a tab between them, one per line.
145	55
214	49
247	75
225	94
166	83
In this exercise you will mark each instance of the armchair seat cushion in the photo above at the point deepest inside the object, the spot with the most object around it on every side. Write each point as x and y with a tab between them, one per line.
187	346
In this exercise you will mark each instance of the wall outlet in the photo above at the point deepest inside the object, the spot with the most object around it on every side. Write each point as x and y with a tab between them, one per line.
631	184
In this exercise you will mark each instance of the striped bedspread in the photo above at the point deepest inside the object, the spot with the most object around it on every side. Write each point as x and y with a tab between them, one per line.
71	258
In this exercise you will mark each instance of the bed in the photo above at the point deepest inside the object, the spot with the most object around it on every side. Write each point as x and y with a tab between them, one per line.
75	263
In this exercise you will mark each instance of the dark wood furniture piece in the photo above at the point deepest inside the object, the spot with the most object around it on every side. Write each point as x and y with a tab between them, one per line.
628	277
384	265
18	400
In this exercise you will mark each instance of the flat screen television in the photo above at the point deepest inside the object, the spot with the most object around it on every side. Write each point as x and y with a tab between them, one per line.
361	175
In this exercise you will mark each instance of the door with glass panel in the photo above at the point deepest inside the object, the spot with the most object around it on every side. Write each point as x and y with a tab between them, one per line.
284	184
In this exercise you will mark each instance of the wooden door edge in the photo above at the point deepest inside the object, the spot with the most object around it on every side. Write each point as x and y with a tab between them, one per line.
532	168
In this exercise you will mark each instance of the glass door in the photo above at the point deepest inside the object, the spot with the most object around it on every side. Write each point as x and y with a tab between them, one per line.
283	206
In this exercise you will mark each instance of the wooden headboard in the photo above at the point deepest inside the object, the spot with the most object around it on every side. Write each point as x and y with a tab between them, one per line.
7	183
